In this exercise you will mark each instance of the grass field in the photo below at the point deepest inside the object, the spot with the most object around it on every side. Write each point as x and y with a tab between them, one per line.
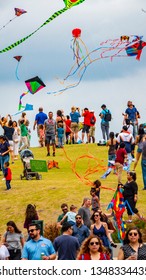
61	185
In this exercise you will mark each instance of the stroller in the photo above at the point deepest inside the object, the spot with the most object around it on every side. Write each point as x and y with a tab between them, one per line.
26	155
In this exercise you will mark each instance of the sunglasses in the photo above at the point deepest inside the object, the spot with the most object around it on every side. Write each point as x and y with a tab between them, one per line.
65	209
94	243
96	215
78	218
31	230
133	233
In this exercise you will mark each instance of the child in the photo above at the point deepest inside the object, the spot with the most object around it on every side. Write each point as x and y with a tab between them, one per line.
121	157
60	135
96	186
68	129
7	175
70	215
94	200
41	135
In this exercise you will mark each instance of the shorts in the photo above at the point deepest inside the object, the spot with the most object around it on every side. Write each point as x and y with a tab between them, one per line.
139	150
86	128
11	145
111	158
74	127
50	139
92	131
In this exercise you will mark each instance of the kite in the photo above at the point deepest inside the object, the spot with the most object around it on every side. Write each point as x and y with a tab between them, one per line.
18	58
118	207
34	85
68	4
125	46
18	13
135	49
27	107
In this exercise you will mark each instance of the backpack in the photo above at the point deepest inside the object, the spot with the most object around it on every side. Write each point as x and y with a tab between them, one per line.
92	120
107	116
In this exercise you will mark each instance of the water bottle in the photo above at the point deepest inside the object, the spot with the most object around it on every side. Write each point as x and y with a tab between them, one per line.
42	254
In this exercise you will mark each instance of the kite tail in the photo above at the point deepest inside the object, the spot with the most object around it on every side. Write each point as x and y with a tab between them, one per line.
16	71
20	103
56	14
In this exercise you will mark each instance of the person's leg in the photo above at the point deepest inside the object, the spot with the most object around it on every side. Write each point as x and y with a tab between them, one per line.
143	165
8	184
136	160
103	131
107	131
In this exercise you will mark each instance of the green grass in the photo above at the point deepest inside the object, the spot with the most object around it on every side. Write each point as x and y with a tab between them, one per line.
60	185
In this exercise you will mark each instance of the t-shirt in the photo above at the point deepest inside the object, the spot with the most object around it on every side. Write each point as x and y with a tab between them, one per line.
66	246
8	132
50	127
71	216
85	214
24	130
120	155
131	112
130	189
13	240
75	116
40	118
32	249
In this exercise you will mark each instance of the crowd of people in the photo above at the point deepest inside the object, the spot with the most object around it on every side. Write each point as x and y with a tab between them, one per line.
89	237
84	233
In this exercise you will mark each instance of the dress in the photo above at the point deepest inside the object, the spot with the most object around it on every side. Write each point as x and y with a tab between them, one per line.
101	233
16	140
127	250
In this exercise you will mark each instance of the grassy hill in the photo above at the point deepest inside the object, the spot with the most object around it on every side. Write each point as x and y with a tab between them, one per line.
61	185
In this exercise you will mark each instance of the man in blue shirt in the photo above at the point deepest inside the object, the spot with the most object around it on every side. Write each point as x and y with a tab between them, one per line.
37	246
80	231
104	122
65	244
131	114
39	119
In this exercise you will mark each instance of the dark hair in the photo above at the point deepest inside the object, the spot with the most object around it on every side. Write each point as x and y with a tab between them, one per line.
65	226
59	113
132	174
10	123
68	117
64	205
92	216
126	239
6	163
36	225
140	133
122	145
97	183
30	212
111	135
125	128
12	224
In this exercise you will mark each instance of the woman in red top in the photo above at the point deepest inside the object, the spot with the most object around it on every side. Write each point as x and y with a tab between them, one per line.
92	249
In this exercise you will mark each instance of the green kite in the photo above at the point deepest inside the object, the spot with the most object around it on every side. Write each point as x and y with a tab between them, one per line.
68	4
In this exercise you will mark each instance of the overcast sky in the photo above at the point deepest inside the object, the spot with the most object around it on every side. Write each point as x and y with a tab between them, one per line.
47	54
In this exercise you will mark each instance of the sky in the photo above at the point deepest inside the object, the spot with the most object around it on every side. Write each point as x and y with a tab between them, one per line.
48	55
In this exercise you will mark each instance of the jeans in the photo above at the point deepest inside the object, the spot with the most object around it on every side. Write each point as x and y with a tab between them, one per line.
105	130
8	184
4	159
143	166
